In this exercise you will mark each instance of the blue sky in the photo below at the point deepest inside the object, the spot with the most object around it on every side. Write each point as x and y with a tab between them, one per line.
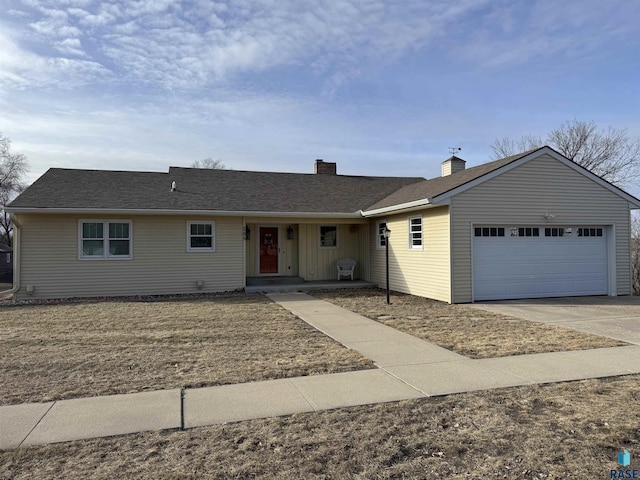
380	87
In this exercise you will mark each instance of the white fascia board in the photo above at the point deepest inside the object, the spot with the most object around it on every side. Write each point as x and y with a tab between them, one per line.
527	158
404	207
219	213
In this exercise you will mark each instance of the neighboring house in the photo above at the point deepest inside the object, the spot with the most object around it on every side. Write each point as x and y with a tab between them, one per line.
531	225
6	264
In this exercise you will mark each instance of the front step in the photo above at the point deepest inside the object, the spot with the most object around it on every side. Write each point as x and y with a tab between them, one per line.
306	286
273	281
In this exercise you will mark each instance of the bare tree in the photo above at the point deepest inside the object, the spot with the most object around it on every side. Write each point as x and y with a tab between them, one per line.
505	147
209	163
13	166
609	153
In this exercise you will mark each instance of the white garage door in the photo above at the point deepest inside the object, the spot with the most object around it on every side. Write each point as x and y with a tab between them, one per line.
536	262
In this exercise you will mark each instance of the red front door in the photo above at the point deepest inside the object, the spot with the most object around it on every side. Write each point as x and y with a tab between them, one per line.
268	250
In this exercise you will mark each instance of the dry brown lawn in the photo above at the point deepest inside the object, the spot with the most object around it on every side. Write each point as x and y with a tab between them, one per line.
569	430
58	351
462	328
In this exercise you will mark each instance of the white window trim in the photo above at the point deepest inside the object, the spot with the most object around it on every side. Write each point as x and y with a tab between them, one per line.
213	236
411	245
379	245
328	247
105	239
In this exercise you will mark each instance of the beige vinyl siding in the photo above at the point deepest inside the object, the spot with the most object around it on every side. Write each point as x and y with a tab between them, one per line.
318	263
424	272
160	263
521	197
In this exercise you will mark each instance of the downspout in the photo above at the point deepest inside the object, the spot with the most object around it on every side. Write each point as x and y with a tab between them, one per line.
16	260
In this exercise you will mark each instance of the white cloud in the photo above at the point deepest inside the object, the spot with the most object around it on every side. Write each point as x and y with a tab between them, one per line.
70	46
16	64
143	85
190	44
146	39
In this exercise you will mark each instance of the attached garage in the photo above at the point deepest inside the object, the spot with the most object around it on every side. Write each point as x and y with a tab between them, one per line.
515	261
532	225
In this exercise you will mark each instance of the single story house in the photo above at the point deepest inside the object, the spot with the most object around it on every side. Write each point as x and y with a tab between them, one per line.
531	225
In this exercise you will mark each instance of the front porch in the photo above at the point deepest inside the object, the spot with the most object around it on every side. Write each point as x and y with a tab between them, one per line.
297	284
303	251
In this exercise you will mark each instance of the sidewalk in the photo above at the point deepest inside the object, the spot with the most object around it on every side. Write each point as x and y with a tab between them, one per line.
408	368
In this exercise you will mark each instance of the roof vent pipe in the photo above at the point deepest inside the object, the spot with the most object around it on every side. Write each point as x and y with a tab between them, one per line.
173	186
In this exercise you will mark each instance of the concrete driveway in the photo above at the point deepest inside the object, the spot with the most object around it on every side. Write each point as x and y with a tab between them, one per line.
615	317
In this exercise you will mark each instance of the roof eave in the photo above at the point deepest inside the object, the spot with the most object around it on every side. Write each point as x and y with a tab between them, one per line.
404	207
219	213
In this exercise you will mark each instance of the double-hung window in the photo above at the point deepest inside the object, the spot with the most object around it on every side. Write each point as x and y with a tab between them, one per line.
329	236
415	233
104	240
201	237
381	241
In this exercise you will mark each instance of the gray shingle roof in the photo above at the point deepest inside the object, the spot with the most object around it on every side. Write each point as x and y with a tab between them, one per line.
437	186
204	189
233	190
241	191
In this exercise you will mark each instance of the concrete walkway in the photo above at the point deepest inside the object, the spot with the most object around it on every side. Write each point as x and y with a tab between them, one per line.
408	368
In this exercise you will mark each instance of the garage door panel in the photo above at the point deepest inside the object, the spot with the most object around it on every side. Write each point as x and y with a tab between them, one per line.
535	267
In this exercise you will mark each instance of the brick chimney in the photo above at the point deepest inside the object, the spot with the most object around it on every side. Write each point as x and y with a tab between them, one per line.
324	168
452	165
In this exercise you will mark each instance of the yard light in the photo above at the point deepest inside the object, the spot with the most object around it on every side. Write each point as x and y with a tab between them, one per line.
387	234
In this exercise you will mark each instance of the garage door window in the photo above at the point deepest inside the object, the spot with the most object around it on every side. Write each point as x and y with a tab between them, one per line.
557	232
489	232
589	232
525	232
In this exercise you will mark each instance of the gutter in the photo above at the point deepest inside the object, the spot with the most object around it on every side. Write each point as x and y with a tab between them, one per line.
403	207
219	213
16	260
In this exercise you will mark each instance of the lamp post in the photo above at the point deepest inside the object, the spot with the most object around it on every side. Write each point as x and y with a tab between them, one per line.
387	234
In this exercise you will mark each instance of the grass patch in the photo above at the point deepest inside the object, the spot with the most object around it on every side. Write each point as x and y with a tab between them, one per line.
567	430
67	350
463	329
